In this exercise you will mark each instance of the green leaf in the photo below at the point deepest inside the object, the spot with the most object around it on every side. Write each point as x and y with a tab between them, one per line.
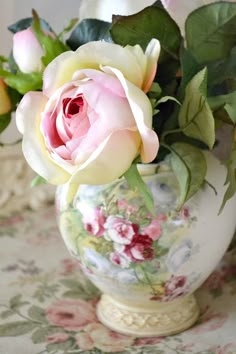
189	166
4	121
37	181
37	313
167	98
68	28
27	22
136	182
23	82
230	178
221	70
39	336
195	117
228	102
152	22
52	46
89	30
211	31
15	329
189	67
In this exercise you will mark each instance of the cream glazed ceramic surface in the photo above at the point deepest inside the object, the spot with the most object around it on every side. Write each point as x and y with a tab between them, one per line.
148	266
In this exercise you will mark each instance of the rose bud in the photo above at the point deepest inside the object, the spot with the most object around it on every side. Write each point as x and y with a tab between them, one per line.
27	51
5	102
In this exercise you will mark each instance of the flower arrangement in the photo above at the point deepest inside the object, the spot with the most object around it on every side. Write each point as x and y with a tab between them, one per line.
111	95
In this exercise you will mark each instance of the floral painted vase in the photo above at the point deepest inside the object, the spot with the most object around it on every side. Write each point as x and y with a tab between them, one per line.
148	266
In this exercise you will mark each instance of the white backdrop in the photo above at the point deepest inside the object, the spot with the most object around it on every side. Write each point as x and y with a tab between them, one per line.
57	12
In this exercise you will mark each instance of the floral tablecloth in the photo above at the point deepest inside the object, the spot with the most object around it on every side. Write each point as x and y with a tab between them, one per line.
48	306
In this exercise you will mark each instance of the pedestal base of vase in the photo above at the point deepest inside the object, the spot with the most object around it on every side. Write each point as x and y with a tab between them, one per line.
154	319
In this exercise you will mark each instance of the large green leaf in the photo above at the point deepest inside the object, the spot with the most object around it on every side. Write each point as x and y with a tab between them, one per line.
228	102
24	23
195	117
22	82
17	328
211	31
152	22
89	30
189	166
189	67
221	70
230	178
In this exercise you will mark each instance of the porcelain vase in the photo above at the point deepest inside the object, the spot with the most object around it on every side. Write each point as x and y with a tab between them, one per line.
147	266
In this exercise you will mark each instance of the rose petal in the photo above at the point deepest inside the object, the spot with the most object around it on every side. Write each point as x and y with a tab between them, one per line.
142	112
28	118
91	55
120	147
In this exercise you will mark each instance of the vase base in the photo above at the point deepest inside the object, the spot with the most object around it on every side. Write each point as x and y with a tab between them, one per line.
154	319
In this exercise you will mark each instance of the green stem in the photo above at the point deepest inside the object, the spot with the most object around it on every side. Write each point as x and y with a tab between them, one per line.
148	280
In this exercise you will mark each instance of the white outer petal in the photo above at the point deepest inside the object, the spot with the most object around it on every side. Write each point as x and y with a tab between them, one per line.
28	117
110	161
92	55
142	112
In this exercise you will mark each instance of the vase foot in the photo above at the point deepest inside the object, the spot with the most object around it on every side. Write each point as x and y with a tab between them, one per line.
154	319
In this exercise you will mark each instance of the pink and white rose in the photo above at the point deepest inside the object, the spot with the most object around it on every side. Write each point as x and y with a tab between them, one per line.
72	315
27	51
176	286
93	117
140	249
93	219
119	230
153	230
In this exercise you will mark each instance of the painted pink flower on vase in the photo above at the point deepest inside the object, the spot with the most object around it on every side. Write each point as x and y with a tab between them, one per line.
93	219
119	259
129	209
120	230
175	287
153	230
72	315
140	249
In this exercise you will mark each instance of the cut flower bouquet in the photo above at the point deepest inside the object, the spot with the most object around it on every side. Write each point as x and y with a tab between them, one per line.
111	95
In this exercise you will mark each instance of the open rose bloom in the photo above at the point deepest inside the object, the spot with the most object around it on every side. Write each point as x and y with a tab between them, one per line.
93	117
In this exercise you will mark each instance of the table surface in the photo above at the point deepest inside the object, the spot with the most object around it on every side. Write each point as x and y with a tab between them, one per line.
48	306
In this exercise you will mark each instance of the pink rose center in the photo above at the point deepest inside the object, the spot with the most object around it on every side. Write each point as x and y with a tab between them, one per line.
72	106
